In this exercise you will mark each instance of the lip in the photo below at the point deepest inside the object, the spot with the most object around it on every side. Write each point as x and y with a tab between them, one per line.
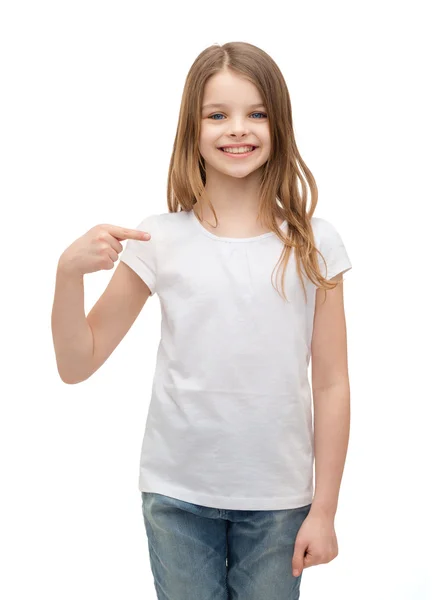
238	155
237	145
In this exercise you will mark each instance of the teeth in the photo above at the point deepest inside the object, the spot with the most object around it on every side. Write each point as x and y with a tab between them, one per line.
238	150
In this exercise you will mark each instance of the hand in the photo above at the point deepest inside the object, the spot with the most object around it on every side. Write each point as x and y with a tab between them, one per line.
97	249
316	542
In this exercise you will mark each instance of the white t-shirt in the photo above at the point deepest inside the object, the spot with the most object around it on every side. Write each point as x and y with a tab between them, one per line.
229	423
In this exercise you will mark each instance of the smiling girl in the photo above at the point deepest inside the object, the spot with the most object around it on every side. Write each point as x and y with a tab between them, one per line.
226	471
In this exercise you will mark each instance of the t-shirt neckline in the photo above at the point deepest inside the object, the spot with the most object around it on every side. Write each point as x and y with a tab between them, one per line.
232	239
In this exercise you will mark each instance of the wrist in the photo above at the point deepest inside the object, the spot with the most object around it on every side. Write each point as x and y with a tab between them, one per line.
323	509
66	270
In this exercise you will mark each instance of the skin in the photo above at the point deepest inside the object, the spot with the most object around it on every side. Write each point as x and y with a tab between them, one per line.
316	542
233	185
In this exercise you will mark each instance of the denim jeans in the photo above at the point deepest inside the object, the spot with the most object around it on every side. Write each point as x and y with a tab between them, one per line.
202	553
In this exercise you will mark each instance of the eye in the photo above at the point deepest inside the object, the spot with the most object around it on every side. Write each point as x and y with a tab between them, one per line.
255	113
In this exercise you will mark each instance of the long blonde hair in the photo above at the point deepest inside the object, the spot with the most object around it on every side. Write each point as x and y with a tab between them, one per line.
281	174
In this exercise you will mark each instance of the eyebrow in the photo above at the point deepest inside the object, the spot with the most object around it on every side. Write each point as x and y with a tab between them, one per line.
225	105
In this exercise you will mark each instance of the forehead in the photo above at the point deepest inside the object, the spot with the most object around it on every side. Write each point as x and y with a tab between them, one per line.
227	89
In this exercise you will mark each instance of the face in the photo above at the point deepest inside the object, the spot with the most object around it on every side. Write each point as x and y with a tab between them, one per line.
240	118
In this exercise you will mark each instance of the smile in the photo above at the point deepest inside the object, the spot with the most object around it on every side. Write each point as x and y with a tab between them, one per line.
233	154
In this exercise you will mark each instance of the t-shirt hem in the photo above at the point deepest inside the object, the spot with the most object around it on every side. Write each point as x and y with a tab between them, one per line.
340	267
225	502
135	263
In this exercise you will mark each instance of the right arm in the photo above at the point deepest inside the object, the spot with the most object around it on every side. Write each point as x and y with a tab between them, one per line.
83	344
72	335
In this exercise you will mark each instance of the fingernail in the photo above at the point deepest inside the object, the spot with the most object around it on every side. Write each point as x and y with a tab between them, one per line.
295	573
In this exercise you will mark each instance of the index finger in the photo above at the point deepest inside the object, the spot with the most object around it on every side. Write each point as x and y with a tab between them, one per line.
121	233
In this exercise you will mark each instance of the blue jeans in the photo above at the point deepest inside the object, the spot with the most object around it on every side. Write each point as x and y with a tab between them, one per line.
202	553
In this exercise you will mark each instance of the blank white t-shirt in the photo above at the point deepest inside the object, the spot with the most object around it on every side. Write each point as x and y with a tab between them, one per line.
229	423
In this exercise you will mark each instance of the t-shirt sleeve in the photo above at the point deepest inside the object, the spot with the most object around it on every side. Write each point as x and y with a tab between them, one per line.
140	255
331	246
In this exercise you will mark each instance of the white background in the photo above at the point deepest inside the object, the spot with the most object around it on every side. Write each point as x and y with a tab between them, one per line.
90	95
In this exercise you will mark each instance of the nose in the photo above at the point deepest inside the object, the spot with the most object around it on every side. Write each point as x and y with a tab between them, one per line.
238	127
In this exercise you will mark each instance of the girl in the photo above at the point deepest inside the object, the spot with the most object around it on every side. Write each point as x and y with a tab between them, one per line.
226	471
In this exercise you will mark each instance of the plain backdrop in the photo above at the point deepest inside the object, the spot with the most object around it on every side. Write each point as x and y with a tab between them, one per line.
89	103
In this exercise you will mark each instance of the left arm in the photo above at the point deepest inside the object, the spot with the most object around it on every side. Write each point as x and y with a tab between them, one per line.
331	395
316	541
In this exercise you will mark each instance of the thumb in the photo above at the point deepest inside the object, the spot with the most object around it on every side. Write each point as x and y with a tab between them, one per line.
298	558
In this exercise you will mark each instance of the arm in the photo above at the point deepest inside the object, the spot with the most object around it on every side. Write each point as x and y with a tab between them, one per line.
331	395
82	344
72	336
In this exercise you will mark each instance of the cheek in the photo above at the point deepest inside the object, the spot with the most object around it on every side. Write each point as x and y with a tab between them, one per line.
206	135
266	145
203	141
